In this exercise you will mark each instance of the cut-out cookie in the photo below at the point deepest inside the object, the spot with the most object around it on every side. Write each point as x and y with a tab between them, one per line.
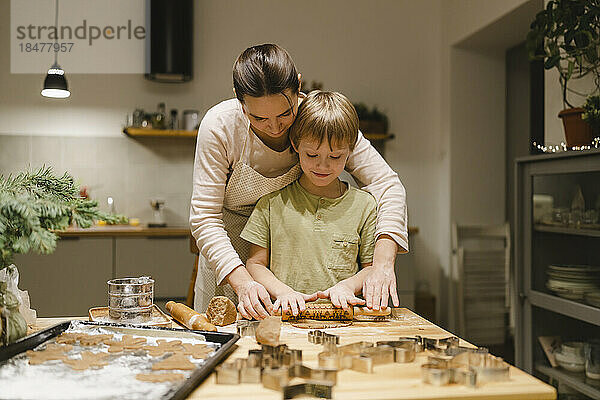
53	351
176	361
83	338
69	337
198	351
93	340
88	360
128	342
165	377
163	346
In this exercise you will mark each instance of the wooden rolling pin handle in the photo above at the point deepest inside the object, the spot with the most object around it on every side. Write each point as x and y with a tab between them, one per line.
189	317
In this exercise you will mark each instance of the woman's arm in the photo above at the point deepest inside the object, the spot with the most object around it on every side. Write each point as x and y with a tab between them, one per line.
211	167
373	174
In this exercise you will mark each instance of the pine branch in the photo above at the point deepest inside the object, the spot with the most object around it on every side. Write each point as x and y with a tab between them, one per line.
34	204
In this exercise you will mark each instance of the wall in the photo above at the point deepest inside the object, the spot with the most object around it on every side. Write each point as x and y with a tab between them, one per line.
476	35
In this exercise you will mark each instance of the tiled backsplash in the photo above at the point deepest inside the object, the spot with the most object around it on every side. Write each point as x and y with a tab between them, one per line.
131	171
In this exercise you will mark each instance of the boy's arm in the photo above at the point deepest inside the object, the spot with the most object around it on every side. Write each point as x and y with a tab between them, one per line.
285	296
343	294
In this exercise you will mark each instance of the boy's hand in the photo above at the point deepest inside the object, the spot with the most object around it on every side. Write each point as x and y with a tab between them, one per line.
294	300
341	296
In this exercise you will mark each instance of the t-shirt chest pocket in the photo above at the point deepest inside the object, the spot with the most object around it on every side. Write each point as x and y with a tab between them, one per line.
343	253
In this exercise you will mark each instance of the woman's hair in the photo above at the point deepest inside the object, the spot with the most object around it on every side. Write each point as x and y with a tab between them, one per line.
325	115
264	70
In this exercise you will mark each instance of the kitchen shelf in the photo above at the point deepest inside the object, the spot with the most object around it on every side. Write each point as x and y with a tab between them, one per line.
379	136
148	132
566	307
576	380
567	231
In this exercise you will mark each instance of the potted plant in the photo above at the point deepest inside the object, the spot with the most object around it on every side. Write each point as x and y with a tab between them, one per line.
566	36
32	206
371	120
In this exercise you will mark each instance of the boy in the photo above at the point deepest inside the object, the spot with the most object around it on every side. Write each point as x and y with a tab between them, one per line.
309	237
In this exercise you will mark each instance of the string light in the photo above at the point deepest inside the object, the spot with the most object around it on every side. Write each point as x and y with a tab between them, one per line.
563	147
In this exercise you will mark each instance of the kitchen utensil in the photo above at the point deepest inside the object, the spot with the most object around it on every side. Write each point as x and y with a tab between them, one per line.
190	120
131	299
188	317
158	218
328	312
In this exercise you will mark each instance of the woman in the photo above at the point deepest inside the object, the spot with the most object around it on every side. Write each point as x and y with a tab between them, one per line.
242	153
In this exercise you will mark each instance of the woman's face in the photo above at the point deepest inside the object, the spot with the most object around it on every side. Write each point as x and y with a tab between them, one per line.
271	115
320	163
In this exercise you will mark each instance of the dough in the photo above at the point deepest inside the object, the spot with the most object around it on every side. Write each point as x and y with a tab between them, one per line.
53	351
128	342
88	360
165	377
221	311
163	346
198	351
268	330
176	361
313	324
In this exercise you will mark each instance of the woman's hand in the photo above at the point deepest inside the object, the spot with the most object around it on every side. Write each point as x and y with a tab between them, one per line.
251	294
294	300
380	284
341	295
251	297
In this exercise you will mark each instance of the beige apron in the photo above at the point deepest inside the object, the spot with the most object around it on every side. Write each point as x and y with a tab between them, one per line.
243	189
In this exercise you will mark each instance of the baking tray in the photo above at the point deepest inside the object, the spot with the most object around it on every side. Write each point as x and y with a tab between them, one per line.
226	342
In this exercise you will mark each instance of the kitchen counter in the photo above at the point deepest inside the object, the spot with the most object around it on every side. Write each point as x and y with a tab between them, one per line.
391	381
125	230
129	230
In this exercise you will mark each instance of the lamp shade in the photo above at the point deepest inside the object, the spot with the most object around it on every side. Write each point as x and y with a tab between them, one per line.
55	84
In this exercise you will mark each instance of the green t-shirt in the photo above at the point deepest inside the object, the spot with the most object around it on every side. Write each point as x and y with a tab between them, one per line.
314	242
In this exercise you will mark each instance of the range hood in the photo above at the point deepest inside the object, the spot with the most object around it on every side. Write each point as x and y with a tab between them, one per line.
169	45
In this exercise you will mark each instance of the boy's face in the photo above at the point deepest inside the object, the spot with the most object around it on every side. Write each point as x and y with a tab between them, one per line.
322	164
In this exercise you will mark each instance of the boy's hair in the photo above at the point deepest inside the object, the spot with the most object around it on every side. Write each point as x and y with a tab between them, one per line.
323	115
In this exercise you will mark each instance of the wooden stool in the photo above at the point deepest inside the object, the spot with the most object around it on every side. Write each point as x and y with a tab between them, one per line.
190	295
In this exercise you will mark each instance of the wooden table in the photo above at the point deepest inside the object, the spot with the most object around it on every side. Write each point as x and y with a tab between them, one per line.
392	381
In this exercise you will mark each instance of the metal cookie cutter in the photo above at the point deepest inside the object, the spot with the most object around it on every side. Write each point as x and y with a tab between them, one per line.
340	357
277	356
438	343
239	371
318	374
454	370
320	390
279	378
404	350
245	327
321	337
372	356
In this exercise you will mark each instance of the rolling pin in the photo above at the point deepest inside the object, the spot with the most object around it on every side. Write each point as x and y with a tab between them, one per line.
328	312
189	317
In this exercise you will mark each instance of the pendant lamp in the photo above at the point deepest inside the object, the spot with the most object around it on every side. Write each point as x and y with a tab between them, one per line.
55	84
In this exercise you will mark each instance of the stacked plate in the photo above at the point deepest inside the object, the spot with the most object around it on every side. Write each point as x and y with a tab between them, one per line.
575	282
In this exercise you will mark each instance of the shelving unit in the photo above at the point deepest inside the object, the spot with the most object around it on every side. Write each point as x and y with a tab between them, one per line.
568	231
539	311
576	380
148	132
